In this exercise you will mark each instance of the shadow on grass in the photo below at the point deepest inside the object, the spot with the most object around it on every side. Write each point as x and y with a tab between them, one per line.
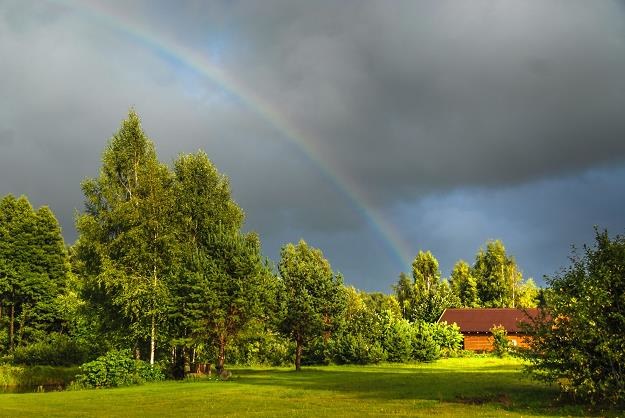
501	386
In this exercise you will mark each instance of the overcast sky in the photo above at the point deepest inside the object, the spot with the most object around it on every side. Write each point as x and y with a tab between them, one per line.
414	124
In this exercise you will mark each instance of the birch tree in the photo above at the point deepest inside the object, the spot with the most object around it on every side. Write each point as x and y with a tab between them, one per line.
125	242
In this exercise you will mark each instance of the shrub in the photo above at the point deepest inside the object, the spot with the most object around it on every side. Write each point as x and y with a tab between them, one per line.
501	344
424	346
448	337
317	351
117	368
357	349
578	339
58	350
261	349
397	341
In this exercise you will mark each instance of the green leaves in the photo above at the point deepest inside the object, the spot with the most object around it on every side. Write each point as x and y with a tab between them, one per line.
578	341
312	296
33	271
126	247
427	295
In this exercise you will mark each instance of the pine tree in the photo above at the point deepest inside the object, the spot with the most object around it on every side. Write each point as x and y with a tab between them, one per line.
313	296
33	271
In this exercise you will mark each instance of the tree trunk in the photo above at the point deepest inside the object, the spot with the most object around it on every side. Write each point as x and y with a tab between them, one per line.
186	367
221	358
152	339
20	334
298	353
12	327
153	327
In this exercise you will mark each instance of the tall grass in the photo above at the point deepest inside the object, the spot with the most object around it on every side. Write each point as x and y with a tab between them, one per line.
33	376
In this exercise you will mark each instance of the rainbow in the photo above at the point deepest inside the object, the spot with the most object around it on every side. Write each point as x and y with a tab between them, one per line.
192	59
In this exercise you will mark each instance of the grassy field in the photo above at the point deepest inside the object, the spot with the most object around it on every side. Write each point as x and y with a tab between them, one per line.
481	386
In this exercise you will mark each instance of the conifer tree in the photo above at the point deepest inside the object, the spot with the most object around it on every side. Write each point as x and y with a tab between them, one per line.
313	296
33	271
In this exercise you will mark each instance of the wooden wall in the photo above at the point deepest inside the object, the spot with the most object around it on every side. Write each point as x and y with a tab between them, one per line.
484	342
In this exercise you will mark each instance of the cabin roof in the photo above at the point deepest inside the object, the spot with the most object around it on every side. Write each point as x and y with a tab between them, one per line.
481	320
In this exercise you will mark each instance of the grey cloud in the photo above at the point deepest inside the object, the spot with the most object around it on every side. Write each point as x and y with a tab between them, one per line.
417	96
6	137
406	100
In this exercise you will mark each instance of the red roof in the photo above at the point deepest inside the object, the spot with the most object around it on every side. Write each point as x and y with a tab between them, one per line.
481	320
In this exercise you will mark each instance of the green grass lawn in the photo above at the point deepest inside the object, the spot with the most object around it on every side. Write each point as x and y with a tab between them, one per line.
480	386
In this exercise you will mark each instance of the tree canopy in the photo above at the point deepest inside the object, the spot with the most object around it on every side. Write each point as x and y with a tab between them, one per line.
578	341
33	272
312	295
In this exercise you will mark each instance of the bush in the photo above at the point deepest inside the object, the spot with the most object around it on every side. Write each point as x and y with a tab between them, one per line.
397	341
356	349
449	338
424	346
59	350
501	344
117	368
261	349
578	340
317	351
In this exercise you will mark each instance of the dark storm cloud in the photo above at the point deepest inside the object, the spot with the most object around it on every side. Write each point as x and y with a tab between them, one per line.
408	100
417	96
538	222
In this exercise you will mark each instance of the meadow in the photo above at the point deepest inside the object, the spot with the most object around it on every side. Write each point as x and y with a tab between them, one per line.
475	386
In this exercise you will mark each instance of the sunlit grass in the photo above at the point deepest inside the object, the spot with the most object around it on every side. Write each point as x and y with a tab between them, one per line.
481	386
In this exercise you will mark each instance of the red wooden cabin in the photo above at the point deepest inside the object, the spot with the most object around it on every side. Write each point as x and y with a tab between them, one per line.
475	325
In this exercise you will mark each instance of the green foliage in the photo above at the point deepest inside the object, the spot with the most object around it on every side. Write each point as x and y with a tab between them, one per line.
224	290
117	368
358	340
578	341
57	350
490	268
424	344
397	340
222	283
312	296
499	281
427	296
33	273
464	285
377	302
448	338
501	344
33	376
357	349
405	293
317	351
261	349
126	246
419	341
528	294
